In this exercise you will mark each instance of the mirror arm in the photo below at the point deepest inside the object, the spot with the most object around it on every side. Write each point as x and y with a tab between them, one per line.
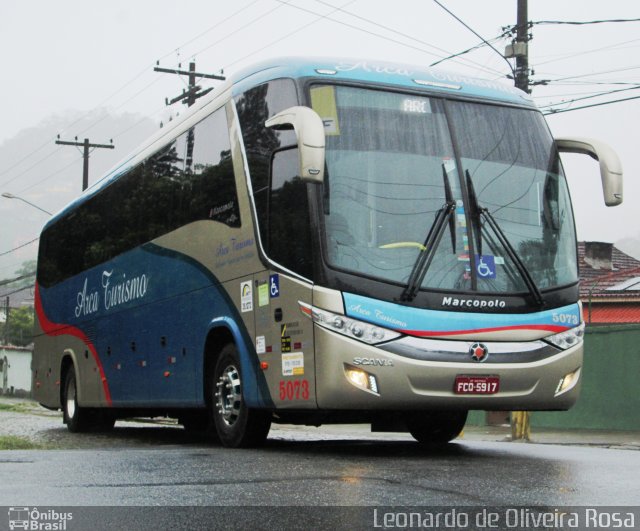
610	165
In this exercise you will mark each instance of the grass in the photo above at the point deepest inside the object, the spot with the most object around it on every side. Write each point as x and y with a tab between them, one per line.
20	407
11	442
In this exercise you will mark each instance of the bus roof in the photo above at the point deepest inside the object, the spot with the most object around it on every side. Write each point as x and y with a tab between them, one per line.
415	77
374	71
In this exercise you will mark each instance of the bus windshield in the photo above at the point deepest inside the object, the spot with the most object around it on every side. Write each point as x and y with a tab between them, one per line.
392	167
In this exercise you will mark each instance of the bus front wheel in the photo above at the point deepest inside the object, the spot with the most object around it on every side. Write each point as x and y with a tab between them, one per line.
436	427
237	425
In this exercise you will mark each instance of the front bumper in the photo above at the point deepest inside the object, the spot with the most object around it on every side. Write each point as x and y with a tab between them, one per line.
414	373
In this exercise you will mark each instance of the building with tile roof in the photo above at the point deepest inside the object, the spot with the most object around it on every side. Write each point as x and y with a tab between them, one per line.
609	284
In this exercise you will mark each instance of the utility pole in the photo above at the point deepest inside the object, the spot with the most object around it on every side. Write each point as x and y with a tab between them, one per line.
7	309
86	145
519	48
193	91
521	420
189	97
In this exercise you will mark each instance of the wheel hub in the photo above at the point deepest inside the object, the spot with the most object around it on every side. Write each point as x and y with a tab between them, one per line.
229	395
71	400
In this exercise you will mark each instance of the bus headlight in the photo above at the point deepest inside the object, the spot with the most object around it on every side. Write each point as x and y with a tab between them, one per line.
347	326
568	339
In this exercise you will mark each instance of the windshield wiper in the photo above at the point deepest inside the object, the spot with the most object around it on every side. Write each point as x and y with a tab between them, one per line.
428	251
478	212
449	198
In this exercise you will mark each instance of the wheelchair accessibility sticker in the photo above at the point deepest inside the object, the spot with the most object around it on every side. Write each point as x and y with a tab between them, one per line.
274	286
486	266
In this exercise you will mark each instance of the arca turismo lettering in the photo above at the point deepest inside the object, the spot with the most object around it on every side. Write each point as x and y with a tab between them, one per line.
455	302
127	289
114	293
370	67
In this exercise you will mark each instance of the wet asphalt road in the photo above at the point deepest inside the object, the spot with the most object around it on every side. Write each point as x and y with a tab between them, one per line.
317	472
348	472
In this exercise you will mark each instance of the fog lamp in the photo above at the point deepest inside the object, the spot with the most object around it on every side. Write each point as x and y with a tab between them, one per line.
361	379
568	382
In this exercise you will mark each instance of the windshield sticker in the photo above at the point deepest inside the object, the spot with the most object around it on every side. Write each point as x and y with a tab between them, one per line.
323	101
485	266
450	166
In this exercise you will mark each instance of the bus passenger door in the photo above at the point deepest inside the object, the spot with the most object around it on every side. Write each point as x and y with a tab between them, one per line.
284	340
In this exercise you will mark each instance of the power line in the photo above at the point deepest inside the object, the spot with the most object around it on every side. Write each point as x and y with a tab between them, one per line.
567	78
50	176
19	247
477	35
586	22
468	50
120	89
319	17
565	56
216	25
410	37
591	96
592	105
241	28
12	280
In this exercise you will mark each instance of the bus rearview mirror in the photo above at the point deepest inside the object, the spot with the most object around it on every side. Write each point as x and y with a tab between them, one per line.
610	165
311	141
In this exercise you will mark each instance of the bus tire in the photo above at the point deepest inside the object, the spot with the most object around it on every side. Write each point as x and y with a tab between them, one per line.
237	425
77	419
81	419
436	427
197	424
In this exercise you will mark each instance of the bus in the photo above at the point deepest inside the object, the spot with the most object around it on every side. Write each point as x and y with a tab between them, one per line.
321	241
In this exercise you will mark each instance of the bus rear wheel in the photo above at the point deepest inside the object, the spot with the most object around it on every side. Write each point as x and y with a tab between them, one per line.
81	419
237	425
436	427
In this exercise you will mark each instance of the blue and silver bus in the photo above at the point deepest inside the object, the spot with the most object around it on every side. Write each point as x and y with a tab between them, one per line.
321	241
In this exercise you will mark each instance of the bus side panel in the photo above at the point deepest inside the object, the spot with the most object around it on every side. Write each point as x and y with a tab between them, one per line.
143	320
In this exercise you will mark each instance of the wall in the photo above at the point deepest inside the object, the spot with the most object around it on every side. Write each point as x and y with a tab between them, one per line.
610	396
19	375
610	383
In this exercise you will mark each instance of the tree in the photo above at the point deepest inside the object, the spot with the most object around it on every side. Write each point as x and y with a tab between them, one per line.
19	328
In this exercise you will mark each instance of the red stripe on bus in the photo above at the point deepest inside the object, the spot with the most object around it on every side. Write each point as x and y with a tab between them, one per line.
425	333
53	329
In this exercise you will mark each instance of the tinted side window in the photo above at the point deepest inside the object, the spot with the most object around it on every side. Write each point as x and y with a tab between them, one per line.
254	107
211	192
289	241
188	180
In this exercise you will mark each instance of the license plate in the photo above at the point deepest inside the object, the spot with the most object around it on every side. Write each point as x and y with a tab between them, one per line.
476	385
